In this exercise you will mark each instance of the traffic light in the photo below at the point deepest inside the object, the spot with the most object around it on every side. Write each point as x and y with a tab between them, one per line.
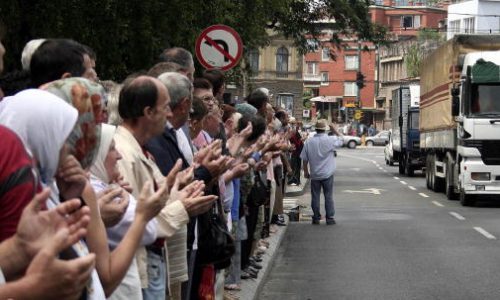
360	80
350	113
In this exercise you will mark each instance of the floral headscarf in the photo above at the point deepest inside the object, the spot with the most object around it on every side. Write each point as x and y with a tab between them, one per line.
88	99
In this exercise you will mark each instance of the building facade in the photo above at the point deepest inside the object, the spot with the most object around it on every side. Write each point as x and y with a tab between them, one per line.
474	16
277	67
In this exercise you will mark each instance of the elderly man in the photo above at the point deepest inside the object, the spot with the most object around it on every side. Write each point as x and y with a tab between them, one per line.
181	57
318	152
144	107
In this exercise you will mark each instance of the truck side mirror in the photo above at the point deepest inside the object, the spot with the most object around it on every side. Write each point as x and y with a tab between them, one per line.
455	106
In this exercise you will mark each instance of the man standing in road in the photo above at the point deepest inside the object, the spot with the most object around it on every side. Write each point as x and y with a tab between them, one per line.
318	152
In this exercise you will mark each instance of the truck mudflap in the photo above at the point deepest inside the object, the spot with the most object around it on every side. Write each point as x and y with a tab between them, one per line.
476	178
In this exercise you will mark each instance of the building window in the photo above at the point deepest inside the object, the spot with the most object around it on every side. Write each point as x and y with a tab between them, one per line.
282	62
469	25
325	54
253	60
350	89
454	26
351	62
312	68
324	78
410	22
285	101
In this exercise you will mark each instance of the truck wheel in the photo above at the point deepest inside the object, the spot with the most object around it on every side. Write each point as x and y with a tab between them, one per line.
466	200
427	173
448	185
391	162
409	168
401	164
369	144
435	182
351	144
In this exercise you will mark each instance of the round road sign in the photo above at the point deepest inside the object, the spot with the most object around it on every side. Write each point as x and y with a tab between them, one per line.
219	47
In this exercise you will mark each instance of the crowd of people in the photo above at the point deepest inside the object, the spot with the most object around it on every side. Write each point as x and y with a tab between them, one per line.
152	188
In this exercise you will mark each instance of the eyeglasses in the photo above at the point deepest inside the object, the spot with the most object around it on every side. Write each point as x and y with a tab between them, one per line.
208	99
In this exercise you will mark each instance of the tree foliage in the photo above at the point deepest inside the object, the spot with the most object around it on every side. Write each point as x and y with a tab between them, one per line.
129	35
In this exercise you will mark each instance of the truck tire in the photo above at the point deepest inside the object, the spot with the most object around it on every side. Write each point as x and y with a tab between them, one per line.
401	164
427	172
448	184
391	162
435	182
410	171
467	200
351	144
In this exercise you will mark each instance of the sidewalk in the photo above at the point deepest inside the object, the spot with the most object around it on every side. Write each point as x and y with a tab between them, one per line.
251	288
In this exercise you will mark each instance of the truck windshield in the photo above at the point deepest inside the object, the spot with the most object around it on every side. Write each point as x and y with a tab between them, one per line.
414	120
485	100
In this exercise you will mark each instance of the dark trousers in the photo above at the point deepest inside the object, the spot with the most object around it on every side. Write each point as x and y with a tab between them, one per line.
296	163
246	245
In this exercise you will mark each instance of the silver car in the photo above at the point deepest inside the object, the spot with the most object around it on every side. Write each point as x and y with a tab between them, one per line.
380	139
351	141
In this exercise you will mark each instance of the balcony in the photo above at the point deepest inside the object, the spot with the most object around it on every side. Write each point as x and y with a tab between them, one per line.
312	78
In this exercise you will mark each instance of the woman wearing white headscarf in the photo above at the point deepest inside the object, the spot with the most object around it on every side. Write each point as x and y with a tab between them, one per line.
104	173
44	122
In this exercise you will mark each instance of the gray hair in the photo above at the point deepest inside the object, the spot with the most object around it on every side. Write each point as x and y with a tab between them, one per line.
179	56
178	86
28	51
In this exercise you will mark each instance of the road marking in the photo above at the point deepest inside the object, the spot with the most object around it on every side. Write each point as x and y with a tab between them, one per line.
485	233
412	188
380	168
365	191
457	215
403	182
395	177
423	195
385	171
437	204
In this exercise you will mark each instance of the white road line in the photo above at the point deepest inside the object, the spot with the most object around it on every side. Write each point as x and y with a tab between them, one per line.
457	215
412	188
485	233
437	204
423	195
395	177
403	182
385	171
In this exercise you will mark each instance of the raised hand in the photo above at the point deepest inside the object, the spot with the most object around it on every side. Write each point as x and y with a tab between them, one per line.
71	178
150	204
113	204
38	227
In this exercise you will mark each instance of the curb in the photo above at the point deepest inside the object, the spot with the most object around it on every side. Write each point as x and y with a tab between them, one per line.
251	289
299	192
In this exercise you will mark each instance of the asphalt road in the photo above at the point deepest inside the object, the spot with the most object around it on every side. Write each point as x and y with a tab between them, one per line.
394	240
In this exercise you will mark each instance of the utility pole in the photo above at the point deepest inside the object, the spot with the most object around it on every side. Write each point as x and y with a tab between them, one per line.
358	94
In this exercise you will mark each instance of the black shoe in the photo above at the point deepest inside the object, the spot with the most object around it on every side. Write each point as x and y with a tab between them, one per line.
331	222
256	258
281	218
255	265
315	222
245	275
280	223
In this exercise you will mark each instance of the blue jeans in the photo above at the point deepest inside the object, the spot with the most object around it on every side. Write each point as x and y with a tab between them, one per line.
157	276
327	185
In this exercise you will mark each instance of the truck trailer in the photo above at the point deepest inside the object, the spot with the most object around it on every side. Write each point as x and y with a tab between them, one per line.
460	118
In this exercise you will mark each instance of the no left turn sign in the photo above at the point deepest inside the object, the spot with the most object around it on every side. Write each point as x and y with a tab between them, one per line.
219	47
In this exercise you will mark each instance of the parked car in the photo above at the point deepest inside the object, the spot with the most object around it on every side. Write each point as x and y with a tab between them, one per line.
351	141
380	139
388	152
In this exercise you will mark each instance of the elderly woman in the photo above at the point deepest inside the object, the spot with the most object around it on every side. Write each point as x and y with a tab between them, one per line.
46	125
88	97
105	174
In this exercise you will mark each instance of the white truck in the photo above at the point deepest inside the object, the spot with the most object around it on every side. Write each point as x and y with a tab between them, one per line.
460	118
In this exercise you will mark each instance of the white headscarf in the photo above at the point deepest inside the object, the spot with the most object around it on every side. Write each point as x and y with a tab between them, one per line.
43	122
98	169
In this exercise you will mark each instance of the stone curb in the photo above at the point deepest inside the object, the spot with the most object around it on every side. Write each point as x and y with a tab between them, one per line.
251	288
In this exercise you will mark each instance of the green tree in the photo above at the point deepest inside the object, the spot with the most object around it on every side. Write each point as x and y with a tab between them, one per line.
129	35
